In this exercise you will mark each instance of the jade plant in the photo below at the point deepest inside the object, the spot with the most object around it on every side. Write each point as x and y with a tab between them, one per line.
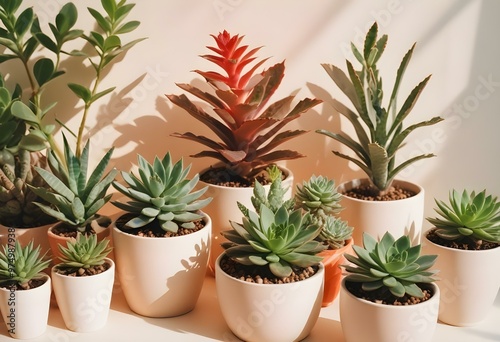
161	194
319	197
379	128
19	265
278	237
248	127
21	34
468	216
390	265
83	253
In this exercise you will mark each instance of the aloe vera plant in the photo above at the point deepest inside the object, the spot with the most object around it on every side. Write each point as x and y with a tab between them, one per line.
163	194
380	132
248	126
468	216
19	265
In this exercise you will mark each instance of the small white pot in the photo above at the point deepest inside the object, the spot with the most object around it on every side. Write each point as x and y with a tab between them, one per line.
162	277
469	282
364	320
224	208
26	312
269	312
400	217
84	302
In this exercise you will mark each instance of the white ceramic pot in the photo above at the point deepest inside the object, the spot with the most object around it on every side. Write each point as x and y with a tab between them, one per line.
469	282
400	217
224	208
84	302
162	277
26	312
25	235
269	312
363	321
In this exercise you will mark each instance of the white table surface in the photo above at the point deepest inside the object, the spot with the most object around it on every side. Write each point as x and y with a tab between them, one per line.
205	323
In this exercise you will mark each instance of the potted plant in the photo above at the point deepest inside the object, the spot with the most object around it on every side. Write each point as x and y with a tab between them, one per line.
248	128
466	235
161	239
389	288
83	283
21	34
380	202
319	197
24	289
269	269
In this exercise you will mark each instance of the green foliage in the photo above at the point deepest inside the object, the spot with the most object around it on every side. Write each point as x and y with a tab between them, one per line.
468	215
75	194
248	128
279	239
162	192
379	130
83	252
21	264
390	264
319	197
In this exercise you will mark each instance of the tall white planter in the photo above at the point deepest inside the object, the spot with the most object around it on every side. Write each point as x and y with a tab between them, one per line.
224	208
400	217
469	282
84	302
269	312
363	320
162	277
26	312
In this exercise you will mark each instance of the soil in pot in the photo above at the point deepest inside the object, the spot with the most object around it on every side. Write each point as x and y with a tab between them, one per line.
465	243
262	275
384	296
224	177
32	284
67	231
154	230
84	272
370	193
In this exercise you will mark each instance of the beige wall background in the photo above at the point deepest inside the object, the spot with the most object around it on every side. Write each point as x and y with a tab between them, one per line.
457	42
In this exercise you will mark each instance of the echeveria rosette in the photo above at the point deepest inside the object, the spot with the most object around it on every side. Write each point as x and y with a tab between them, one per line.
391	264
249	129
83	252
468	215
278	239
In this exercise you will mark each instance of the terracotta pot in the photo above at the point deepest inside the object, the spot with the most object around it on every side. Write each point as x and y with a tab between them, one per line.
363	320
332	259
224	208
400	217
269	312
26	312
55	240
162	277
468	284
84	302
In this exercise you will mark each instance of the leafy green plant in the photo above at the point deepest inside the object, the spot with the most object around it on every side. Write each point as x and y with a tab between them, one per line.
380	133
75	194
249	128
393	265
19	265
279	239
83	252
163	193
468	215
319	197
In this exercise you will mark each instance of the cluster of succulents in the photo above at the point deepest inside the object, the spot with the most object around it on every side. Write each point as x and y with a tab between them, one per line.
393	265
468	215
379	130
19	265
162	193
